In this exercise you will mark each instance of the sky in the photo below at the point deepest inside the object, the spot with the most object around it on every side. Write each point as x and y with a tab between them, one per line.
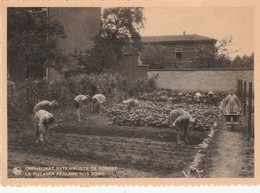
216	23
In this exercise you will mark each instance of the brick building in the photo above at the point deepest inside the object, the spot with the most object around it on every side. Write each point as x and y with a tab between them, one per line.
182	48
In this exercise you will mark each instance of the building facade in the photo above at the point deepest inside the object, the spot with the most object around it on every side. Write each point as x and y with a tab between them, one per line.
183	49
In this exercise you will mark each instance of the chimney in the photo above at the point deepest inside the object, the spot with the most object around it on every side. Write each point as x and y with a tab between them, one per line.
184	33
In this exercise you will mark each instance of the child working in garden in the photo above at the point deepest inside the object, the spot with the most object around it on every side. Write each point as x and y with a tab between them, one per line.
98	101
45	105
179	119
78	101
42	120
198	96
131	103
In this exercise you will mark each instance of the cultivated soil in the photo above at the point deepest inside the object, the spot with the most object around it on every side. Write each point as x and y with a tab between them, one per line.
134	151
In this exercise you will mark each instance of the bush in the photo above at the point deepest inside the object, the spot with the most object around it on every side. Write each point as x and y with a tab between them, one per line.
22	99
110	85
115	87
141	86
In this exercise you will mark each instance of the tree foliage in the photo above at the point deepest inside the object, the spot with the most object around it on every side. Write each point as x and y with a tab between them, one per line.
157	57
220	57
243	62
119	33
119	27
32	42
215	57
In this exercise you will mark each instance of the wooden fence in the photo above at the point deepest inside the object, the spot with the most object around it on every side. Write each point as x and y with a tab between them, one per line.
246	98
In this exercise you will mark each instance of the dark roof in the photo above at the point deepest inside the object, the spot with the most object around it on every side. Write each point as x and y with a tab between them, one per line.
177	38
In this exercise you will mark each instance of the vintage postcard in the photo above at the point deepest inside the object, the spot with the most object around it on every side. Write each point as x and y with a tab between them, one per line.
129	93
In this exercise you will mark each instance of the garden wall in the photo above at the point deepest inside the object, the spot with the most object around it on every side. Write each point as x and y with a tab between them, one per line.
202	79
128	67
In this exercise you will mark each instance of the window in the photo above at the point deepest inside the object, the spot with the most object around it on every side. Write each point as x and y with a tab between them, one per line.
178	53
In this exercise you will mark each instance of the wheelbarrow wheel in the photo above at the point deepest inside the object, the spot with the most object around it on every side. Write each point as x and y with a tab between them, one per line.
232	124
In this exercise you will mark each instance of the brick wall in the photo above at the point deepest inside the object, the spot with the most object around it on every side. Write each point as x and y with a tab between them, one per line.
203	79
128	66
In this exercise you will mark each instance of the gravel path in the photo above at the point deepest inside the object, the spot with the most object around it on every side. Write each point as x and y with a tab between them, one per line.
233	154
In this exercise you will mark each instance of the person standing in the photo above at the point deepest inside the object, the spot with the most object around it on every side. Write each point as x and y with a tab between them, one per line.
231	104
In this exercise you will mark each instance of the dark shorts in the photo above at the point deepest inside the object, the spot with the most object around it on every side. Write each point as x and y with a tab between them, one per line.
76	104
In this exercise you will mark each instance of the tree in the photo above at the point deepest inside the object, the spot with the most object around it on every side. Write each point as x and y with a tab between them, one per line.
215	57
32	42
119	33
119	29
243	62
103	54
157	57
121	25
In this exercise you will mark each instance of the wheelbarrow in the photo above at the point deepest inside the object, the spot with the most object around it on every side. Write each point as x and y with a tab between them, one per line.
232	120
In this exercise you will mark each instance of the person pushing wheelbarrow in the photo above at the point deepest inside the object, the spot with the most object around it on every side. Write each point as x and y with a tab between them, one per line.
232	109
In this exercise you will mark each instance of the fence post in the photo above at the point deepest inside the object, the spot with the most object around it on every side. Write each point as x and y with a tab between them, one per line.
241	86
240	91
249	106
237	87
244	98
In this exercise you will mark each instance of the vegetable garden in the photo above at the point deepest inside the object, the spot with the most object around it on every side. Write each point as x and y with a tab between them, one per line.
139	143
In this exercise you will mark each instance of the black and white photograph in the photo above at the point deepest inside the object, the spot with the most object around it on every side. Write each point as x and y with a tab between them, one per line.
130	92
